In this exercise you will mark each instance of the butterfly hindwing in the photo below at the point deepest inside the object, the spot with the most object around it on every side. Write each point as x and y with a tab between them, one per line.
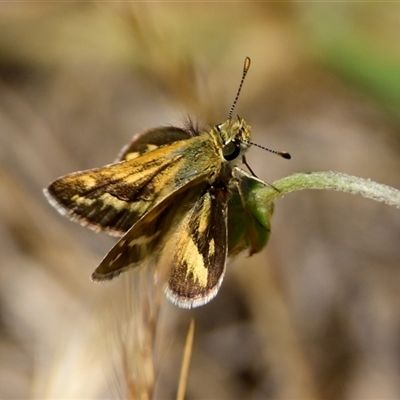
146	238
198	250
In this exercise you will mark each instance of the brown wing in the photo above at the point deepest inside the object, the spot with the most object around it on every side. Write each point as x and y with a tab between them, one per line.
115	197
189	234
152	139
198	251
147	237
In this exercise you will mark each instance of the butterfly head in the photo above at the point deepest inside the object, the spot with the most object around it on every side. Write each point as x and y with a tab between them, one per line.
235	137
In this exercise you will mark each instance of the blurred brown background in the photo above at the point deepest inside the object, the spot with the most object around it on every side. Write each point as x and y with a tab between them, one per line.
316	315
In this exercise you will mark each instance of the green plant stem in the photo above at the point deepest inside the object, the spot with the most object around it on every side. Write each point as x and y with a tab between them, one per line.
331	181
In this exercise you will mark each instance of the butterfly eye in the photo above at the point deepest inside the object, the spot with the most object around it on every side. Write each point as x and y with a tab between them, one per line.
218	127
231	150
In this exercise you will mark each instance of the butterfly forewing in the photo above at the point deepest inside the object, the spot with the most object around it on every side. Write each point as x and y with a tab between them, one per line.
115	197
152	139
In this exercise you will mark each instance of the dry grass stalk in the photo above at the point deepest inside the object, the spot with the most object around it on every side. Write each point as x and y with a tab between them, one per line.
187	354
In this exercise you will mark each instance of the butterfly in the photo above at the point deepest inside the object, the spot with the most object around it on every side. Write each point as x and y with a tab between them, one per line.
176	193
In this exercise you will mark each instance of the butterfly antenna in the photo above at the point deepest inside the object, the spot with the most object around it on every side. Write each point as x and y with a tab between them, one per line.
246	67
283	154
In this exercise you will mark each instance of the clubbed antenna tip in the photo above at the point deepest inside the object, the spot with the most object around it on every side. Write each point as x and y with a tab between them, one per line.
246	67
283	154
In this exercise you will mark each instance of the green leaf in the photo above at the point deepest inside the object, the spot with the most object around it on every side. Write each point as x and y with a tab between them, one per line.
249	216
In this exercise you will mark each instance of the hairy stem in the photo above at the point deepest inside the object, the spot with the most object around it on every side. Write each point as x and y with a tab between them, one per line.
331	181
